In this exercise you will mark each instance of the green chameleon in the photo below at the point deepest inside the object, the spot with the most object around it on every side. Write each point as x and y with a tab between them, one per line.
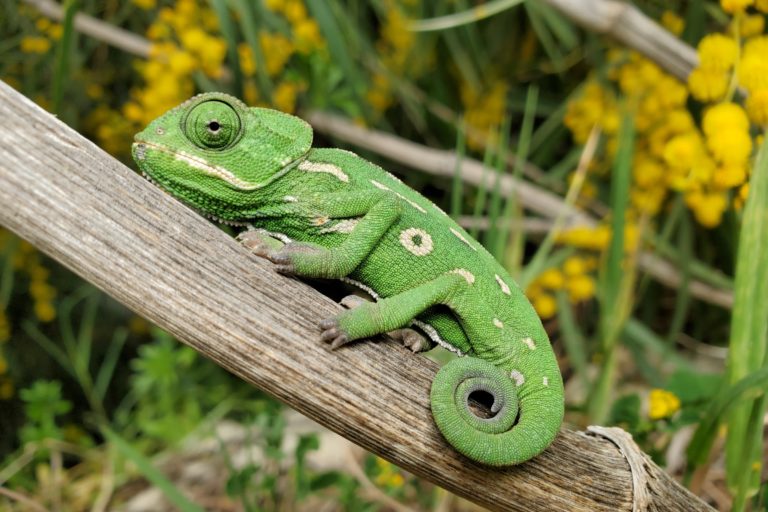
327	213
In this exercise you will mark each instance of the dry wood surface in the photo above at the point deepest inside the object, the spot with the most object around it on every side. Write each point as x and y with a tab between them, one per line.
104	222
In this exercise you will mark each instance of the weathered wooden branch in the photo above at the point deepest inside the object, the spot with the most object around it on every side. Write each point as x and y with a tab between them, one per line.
94	215
631	27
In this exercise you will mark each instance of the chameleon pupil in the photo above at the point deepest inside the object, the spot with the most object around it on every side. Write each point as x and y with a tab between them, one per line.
214	126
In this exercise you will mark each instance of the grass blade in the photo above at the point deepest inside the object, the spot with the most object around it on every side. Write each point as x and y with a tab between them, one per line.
748	346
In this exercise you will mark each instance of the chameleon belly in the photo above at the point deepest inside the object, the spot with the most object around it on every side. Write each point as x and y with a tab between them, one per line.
349	219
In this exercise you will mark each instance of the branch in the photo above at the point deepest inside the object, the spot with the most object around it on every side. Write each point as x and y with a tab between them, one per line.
166	263
631	27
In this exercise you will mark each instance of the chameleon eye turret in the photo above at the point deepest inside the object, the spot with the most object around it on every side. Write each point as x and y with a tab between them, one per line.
327	213
213	124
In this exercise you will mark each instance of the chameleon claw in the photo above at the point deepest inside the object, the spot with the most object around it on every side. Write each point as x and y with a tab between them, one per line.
333	333
411	339
353	301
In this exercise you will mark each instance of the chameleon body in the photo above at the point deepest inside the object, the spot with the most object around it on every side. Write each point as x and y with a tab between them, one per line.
328	213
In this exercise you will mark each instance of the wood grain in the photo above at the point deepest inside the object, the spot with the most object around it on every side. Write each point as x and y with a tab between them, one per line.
100	219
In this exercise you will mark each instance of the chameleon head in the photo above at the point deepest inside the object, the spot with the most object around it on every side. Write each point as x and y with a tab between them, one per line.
215	154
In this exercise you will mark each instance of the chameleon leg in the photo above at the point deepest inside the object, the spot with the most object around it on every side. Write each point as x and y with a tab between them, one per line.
390	313
410	338
259	242
312	260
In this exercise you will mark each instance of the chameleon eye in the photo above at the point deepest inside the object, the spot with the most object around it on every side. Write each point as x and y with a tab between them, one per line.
212	124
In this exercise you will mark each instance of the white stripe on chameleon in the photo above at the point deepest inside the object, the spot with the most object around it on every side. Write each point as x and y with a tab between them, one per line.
319	221
215	170
381	186
466	274
407	240
504	286
529	342
343	226
461	237
290	199
435	336
516	376
545	381
370	291
334	170
498	323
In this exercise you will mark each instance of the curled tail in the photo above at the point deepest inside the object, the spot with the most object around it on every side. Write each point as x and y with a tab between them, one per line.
525	422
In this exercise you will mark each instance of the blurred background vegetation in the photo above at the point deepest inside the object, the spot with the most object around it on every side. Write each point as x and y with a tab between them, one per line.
655	294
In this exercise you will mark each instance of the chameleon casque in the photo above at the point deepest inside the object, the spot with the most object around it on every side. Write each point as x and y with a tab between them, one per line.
327	213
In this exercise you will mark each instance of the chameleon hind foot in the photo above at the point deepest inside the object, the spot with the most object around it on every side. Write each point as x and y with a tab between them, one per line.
302	259
333	333
410	338
259	242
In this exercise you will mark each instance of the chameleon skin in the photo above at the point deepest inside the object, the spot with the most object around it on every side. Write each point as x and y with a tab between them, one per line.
328	213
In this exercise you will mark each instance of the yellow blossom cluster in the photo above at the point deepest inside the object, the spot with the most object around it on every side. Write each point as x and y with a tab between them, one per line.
672	152
573	277
184	40
662	404
395	47
305	32
41	43
27	259
388	475
483	112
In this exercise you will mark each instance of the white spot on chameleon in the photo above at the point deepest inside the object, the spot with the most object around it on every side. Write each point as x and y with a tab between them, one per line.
416	241
160	130
529	342
466	274
215	170
334	170
285	161
319	221
546	381
498	323
516	376
504	286
461	237
290	199
343	226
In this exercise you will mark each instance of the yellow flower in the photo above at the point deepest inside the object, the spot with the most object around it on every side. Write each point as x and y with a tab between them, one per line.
707	208
145	4
662	404
581	287
6	389
752	25
247	62
734	6
284	96
753	71
551	278
683	151
545	306
647	171
730	147
724	117
44	311
729	176
757	106
31	44
307	36
574	266
761	5
717	52
55	31
708	84
181	63
672	22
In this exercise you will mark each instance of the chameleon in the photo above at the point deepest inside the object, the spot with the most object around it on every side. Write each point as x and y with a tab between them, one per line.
328	213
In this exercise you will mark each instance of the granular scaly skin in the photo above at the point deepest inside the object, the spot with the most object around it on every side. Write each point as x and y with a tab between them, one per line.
328	213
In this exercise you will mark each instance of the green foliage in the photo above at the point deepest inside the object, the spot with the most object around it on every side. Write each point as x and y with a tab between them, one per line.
43	404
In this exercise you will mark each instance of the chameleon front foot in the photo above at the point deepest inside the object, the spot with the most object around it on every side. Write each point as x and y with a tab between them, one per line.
303	259
333	333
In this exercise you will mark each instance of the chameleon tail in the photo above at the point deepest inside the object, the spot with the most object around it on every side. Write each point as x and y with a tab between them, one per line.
505	439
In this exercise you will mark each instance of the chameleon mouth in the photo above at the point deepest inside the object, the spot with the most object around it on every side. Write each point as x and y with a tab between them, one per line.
140	151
